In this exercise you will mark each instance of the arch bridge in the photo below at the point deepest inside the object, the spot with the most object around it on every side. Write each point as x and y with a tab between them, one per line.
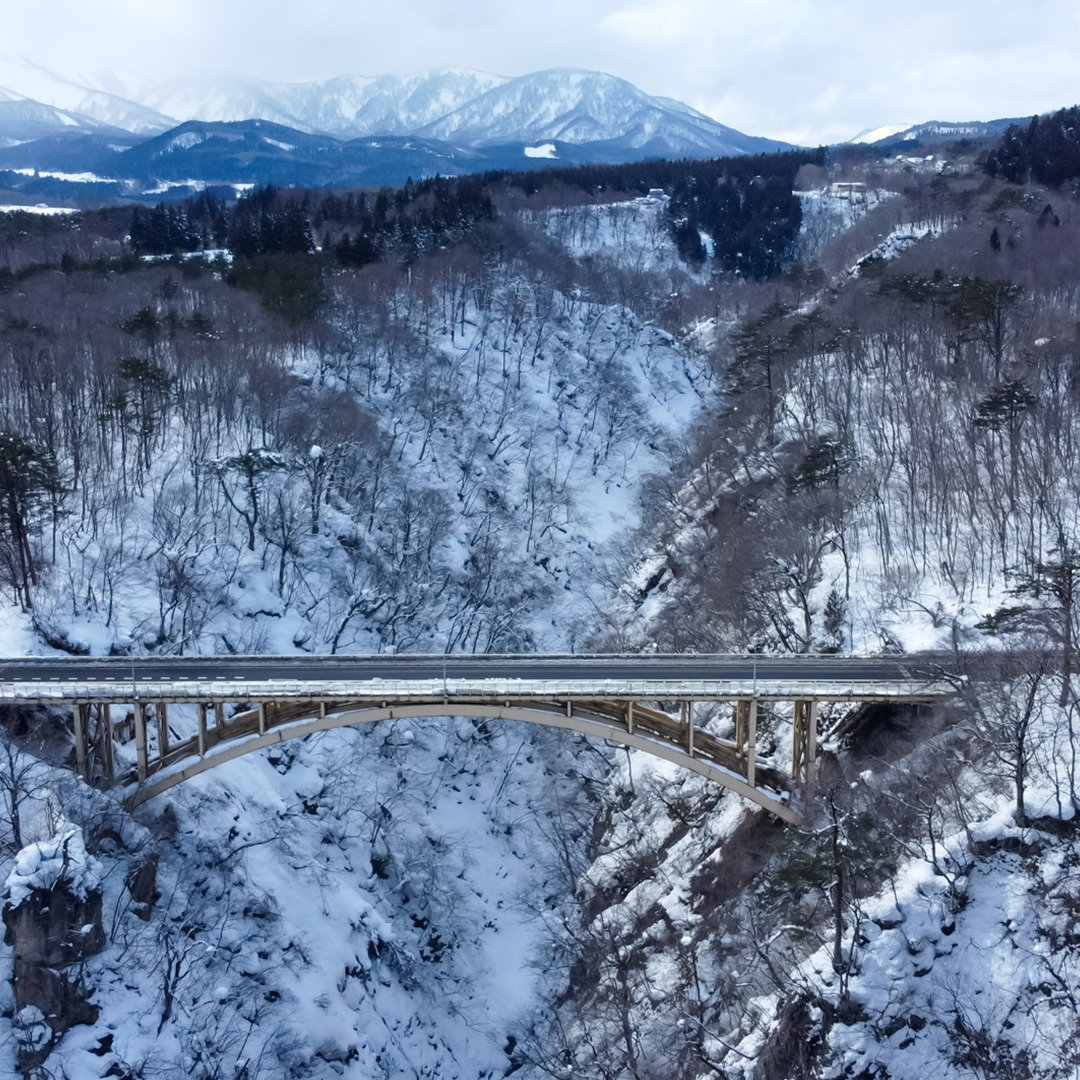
147	725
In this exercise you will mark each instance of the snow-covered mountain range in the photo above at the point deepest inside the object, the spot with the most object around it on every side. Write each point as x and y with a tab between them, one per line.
346	106
464	108
350	130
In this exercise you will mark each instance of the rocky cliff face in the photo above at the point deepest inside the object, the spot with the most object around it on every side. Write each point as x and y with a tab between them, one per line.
52	919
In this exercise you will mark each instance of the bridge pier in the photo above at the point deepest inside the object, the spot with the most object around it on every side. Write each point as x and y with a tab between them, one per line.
162	711
105	741
751	742
686	718
804	741
140	740
81	718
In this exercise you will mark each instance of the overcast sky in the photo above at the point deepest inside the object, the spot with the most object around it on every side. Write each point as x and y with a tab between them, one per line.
807	71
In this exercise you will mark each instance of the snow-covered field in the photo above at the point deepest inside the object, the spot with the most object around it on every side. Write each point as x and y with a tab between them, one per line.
36	208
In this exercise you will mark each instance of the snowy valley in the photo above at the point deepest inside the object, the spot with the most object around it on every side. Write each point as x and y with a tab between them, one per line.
558	418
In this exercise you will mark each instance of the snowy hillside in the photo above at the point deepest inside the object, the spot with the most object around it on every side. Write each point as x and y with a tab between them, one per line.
633	235
932	131
370	904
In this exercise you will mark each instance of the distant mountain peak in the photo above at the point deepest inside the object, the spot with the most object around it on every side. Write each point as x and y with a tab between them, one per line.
89	106
931	131
880	134
575	106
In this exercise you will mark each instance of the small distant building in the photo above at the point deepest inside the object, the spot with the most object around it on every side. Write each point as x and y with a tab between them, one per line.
848	189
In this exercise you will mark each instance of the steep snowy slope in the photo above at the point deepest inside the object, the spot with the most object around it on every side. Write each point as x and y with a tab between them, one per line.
22	120
372	904
222	97
936	131
391	104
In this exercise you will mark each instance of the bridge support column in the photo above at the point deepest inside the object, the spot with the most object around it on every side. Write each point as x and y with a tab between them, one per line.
742	715
687	710
751	741
81	717
162	728
804	740
219	716
630	718
140	739
262	717
201	710
106	734
798	738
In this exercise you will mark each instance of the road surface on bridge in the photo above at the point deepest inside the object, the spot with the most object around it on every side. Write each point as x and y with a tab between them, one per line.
675	674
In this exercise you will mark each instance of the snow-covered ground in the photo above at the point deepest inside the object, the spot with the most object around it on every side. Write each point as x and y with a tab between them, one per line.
831	211
632	235
318	911
36	208
522	437
896	243
962	963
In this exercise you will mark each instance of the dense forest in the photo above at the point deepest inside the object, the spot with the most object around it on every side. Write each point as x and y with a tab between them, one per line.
746	206
1047	151
667	407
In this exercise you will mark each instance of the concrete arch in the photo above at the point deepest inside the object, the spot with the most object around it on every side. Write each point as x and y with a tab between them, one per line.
242	736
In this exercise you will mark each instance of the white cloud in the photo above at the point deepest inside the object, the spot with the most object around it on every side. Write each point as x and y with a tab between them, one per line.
656	24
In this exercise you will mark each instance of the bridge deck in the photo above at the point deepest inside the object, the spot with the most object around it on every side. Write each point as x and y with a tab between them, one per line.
627	677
